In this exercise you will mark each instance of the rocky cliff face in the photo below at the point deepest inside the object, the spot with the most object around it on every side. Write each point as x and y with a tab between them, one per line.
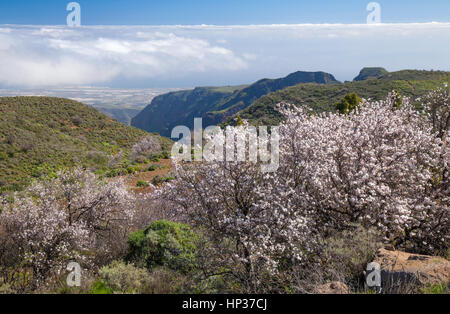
366	73
178	108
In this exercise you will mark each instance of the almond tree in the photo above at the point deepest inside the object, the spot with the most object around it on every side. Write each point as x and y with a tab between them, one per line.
437	106
381	165
61	220
146	147
248	218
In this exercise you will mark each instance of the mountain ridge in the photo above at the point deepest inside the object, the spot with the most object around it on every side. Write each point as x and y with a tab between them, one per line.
255	102
214	104
320	98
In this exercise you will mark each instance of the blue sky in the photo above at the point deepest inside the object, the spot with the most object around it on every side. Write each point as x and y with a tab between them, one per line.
216	42
220	12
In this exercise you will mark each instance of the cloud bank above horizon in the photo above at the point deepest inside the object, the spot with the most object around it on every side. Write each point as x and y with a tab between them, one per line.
178	56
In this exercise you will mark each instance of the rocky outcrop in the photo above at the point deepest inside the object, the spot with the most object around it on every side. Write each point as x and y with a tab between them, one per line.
367	73
404	272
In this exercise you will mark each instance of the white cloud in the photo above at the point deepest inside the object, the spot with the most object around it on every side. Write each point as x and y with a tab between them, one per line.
52	56
33	56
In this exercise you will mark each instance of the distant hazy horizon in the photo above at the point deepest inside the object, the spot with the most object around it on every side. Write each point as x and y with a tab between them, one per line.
99	97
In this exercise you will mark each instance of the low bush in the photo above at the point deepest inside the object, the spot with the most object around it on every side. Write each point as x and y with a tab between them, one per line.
100	287
161	179
342	256
122	278
142	183
119	277
345	254
442	288
152	168
165	155
164	243
112	173
131	169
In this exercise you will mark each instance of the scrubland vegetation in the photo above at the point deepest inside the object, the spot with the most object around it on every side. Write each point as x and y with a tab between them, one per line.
321	98
349	182
41	135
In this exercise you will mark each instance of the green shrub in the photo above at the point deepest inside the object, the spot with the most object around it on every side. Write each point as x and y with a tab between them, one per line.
97	158
152	168
101	288
140	160
158	180
161	179
120	277
6	289
142	183
167	281
348	103
164	243
3	155
113	173
165	155
443	288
